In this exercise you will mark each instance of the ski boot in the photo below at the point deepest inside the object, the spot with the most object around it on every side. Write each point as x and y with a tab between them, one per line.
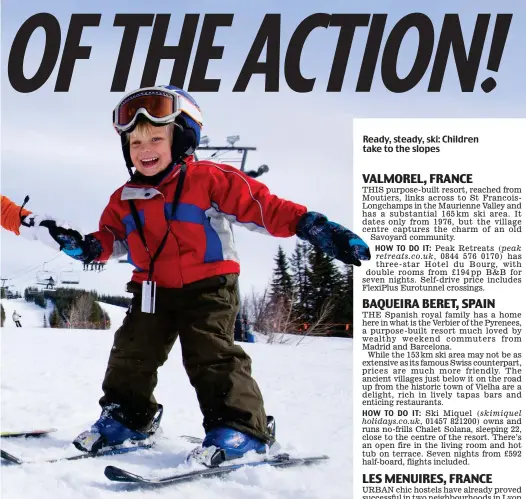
109	432
224	444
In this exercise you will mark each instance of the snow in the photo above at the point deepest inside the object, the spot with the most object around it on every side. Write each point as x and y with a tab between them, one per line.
52	378
32	315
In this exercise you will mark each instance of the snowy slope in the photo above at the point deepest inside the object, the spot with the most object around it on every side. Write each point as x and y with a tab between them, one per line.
32	315
115	313
52	377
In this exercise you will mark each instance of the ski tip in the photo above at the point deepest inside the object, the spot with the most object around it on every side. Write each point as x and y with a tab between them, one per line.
192	440
316	459
113	473
28	433
118	475
280	461
10	458
38	433
287	457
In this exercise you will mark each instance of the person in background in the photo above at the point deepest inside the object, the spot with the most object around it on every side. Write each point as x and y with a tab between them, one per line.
50	283
16	319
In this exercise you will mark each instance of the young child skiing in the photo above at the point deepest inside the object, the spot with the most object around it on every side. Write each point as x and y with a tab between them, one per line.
172	219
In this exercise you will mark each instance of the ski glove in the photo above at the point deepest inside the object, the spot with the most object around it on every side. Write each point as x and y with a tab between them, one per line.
332	238
60	236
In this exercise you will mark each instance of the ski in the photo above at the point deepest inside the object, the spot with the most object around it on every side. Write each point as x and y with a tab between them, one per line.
87	455
192	440
27	433
279	461
10	457
109	452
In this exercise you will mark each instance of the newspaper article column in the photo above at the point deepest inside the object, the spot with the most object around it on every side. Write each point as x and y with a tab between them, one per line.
439	310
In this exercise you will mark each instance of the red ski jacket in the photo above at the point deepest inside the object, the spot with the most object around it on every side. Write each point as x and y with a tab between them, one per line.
200	243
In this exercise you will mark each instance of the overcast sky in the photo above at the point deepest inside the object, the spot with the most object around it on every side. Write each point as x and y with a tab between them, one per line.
61	149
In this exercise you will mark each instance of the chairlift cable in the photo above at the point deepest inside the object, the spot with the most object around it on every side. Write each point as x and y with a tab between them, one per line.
22	272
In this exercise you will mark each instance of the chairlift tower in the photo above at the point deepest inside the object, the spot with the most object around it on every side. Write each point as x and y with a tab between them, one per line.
204	145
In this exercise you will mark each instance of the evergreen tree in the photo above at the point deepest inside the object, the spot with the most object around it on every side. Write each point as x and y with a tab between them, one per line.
45	321
279	310
281	288
54	318
107	321
40	300
324	284
95	317
299	266
343	313
98	317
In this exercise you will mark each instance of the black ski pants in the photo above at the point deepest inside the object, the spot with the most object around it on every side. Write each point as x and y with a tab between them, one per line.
202	314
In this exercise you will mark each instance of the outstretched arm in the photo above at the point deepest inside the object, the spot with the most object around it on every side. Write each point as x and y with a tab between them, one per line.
58	235
11	214
247	202
108	242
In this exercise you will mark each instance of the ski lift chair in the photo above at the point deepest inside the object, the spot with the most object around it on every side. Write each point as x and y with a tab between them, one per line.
47	280
44	276
69	277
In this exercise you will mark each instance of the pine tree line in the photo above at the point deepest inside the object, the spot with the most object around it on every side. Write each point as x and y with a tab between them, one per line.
35	296
119	301
75	308
9	294
309	294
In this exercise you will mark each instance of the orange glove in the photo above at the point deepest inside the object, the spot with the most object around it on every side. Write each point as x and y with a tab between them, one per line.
10	215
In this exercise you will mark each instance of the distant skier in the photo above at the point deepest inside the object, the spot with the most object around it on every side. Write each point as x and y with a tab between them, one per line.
247	333
50	283
238	329
173	220
16	319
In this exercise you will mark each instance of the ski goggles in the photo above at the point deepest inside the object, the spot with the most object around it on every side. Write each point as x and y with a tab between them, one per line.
157	105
